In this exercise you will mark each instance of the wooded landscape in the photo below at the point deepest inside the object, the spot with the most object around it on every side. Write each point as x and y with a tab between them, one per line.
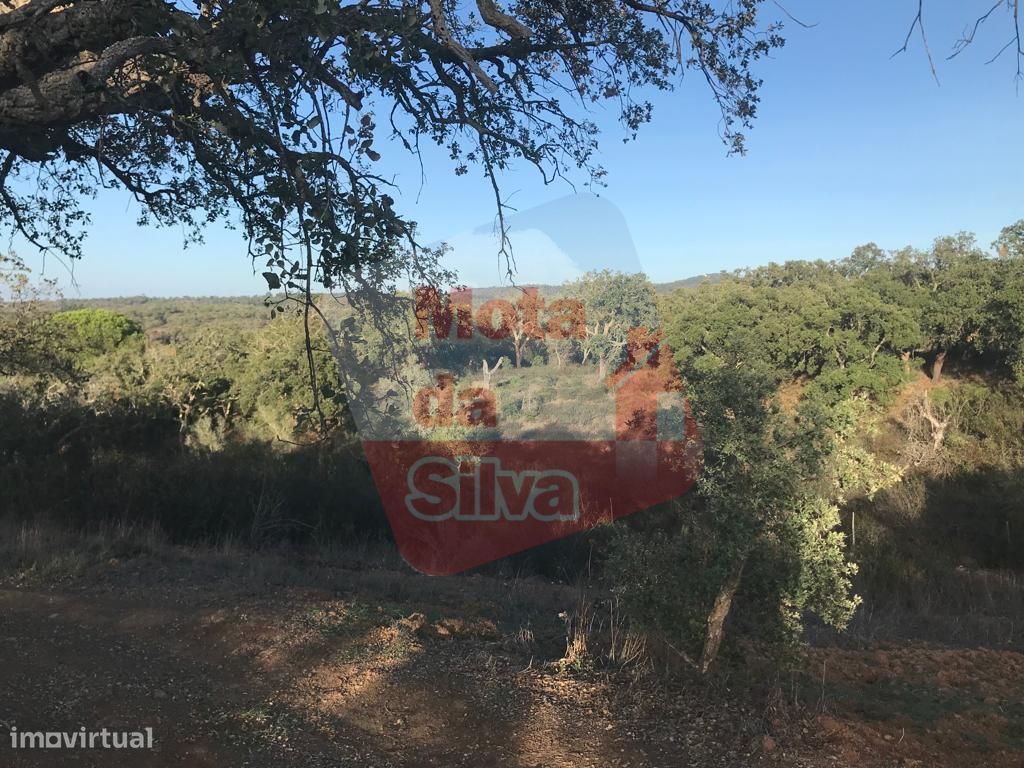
834	400
862	424
195	539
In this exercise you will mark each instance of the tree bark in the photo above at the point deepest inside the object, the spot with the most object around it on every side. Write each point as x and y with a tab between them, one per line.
488	372
938	426
719	613
937	364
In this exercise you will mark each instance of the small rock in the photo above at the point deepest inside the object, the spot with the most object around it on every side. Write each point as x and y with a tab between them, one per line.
159	693
768	743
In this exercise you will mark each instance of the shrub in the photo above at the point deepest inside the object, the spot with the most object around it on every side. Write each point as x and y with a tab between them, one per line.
89	333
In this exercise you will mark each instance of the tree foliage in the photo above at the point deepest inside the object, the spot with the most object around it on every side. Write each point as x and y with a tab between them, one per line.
613	304
858	324
275	110
93	332
758	543
29	345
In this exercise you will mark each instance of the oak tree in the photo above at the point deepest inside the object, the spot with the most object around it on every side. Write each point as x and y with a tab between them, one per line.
274	109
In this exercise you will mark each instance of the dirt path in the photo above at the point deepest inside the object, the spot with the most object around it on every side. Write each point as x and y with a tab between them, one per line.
251	668
305	677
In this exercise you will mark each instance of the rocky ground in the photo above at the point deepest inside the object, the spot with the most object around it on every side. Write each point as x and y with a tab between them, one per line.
251	660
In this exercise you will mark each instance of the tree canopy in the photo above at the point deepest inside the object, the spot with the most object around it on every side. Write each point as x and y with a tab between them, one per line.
859	323
272	111
90	332
274	108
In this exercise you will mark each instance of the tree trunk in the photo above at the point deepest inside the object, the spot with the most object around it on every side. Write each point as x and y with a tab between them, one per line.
719	613
940	358
602	368
489	372
905	357
937	425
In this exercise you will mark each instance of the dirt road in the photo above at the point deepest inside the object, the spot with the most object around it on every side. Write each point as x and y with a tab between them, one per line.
241	663
228	672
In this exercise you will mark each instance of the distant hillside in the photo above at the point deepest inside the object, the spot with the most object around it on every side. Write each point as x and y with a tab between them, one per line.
495	292
689	282
189	312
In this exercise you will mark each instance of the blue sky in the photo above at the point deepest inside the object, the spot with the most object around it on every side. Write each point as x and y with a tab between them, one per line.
850	146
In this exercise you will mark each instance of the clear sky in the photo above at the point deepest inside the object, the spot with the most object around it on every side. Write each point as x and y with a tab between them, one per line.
850	146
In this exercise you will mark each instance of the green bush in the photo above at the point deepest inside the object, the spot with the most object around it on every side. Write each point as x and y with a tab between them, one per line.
89	333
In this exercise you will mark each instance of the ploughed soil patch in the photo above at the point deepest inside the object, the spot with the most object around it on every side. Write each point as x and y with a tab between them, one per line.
242	660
